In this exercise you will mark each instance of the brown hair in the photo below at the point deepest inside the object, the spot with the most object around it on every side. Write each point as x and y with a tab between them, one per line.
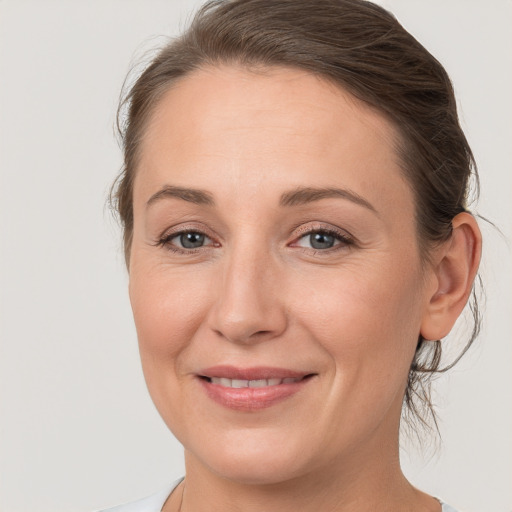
360	47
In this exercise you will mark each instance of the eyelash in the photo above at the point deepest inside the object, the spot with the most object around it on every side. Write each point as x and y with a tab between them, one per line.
344	239
165	241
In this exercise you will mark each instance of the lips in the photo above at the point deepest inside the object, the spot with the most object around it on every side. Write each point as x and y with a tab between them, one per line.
251	389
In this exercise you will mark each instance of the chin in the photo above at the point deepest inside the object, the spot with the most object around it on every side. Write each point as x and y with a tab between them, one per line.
253	460
248	472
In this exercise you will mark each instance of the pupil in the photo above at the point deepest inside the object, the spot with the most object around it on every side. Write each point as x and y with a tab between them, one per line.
191	240
321	241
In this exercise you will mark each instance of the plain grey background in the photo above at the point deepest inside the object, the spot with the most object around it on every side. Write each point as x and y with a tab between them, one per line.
78	430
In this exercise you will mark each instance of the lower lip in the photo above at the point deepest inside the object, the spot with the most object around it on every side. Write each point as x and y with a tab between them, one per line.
252	399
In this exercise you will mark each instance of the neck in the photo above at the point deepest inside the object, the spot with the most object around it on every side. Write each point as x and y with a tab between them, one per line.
358	482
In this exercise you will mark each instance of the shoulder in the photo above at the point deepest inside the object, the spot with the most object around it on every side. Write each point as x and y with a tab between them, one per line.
447	508
153	503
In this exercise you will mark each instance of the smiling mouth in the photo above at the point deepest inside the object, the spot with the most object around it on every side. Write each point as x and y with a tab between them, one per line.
256	383
252	389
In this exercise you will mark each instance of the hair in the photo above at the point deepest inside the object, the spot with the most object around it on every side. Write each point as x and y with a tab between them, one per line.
361	48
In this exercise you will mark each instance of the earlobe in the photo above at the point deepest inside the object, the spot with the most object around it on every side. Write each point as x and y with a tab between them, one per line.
455	270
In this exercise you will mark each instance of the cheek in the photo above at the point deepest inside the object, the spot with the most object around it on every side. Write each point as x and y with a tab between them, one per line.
368	329
368	323
167	309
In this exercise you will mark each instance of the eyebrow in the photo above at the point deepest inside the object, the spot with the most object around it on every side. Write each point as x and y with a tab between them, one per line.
190	195
299	196
305	195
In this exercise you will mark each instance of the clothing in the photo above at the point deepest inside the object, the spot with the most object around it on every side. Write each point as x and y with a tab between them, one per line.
155	502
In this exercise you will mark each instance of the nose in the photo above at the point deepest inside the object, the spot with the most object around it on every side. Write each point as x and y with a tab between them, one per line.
249	304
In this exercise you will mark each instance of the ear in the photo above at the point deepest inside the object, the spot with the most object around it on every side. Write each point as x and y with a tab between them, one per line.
455	268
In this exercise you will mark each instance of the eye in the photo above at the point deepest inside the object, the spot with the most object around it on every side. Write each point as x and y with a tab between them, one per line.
191	239
184	241
323	240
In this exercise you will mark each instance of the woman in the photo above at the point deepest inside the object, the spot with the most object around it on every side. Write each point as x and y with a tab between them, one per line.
294	204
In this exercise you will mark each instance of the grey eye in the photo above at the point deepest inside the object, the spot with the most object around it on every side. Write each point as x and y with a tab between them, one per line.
192	240
321	240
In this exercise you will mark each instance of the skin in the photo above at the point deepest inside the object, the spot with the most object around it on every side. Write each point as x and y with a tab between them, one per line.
258	294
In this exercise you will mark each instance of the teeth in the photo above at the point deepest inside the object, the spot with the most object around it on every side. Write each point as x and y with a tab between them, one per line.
259	383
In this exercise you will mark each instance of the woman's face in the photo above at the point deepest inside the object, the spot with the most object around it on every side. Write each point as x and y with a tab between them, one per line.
274	238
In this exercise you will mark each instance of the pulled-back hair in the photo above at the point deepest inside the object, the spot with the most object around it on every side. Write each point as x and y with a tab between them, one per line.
361	48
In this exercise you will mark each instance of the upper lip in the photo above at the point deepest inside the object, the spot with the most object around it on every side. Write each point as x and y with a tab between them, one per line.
253	373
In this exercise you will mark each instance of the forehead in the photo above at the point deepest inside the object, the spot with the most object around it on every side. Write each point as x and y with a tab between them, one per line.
241	128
